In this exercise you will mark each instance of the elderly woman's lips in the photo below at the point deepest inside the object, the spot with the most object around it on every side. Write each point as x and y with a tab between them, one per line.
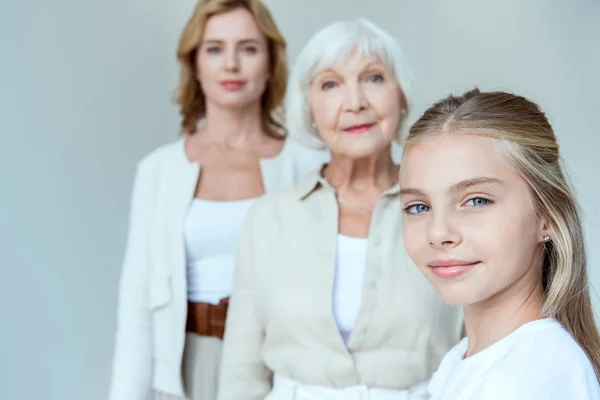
357	129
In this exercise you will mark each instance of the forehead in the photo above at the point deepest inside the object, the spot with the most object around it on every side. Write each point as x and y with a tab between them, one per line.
353	64
441	162
236	24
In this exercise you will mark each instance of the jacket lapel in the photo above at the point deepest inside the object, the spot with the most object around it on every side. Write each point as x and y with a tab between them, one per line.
179	178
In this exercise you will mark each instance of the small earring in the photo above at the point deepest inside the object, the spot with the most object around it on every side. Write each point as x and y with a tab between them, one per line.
403	111
546	238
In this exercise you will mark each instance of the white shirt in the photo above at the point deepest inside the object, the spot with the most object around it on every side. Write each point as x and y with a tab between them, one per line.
280	318
152	308
211	234
351	257
538	361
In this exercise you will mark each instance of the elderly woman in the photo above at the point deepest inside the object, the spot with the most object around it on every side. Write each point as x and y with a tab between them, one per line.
325	304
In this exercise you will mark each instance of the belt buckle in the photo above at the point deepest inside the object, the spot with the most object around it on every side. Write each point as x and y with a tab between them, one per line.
206	319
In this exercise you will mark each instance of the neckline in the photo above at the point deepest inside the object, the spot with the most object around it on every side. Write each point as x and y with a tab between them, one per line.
223	202
355	239
261	160
505	341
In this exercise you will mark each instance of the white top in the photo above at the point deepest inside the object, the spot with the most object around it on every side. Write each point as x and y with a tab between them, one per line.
280	318
540	360
211	234
348	284
149	340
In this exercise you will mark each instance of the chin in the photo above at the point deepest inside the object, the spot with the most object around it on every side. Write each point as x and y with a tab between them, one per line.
456	294
234	99
454	300
234	103
360	154
365	150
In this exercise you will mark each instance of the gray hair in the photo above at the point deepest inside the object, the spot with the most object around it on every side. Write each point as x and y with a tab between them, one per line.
331	46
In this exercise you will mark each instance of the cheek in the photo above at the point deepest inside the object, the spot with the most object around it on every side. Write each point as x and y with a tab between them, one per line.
206	68
324	110
390	124
390	110
515	228
387	110
505	239
521	239
258	67
386	107
414	240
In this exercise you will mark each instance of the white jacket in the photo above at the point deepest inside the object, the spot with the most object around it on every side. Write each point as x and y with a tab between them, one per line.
151	315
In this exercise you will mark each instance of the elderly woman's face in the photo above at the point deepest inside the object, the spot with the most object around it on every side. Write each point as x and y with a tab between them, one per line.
356	106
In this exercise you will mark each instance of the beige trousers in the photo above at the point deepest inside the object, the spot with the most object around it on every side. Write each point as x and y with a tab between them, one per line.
200	368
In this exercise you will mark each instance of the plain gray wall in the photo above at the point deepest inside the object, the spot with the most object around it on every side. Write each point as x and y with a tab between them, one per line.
85	90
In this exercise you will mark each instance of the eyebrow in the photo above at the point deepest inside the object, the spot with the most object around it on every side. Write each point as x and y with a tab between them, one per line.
219	41
373	64
367	66
457	187
482	180
411	192
326	71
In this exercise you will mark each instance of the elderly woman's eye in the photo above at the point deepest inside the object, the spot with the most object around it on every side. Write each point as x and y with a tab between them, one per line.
376	78
328	85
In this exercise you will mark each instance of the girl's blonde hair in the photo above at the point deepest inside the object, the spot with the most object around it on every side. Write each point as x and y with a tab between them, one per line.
522	129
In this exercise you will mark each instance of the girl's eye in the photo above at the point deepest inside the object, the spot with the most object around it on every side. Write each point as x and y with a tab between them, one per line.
477	202
416	209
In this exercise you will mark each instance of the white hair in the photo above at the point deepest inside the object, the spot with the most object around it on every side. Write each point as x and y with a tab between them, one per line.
332	46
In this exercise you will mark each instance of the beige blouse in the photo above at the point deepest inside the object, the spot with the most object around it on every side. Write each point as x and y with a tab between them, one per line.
280	315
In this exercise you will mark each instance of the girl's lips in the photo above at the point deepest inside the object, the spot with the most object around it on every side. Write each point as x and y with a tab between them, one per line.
451	269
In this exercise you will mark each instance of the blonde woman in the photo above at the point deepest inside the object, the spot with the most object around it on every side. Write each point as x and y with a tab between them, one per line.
190	197
326	304
491	221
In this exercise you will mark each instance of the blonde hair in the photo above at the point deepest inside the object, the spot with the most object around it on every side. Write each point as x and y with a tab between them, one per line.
522	129
333	45
189	94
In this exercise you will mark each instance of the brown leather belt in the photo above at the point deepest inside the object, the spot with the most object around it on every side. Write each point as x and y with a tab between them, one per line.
207	319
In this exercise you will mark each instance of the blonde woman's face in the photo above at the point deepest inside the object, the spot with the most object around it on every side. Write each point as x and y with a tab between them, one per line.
233	60
356	106
469	222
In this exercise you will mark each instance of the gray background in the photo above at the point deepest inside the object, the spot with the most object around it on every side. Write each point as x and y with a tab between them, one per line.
85	91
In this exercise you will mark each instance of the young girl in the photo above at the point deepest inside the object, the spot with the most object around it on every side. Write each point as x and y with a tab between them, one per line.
491	221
